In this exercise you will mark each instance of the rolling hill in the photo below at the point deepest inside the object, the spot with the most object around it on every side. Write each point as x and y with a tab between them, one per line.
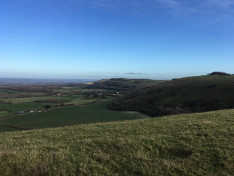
123	85
186	95
194	144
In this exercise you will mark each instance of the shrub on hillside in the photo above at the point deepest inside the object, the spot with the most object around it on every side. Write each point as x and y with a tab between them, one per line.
219	73
47	106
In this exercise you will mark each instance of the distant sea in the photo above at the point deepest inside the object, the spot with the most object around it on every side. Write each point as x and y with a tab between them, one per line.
42	81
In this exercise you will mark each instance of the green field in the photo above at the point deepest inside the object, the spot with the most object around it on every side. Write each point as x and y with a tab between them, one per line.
90	113
79	100
24	104
3	112
13	108
30	99
8	128
194	144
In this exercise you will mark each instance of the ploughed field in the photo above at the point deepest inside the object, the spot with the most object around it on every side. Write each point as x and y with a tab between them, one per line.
193	144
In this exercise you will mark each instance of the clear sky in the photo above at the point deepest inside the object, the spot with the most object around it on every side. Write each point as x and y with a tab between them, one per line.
158	39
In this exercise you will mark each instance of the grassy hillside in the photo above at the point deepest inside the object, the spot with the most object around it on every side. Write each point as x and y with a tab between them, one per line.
194	144
191	94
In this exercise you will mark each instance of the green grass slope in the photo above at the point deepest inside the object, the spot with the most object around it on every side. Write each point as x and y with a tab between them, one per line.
191	94
194	144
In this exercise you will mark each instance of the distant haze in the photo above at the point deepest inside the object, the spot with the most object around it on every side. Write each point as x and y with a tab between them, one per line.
35	81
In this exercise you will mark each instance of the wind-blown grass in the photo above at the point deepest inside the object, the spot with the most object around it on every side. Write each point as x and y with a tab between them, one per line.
194	144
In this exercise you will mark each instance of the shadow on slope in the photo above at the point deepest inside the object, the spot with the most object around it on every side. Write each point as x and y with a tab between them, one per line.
186	95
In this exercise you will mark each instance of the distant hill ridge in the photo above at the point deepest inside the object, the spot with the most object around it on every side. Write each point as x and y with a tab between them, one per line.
45	81
186	95
124	85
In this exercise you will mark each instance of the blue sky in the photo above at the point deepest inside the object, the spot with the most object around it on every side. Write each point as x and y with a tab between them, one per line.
158	39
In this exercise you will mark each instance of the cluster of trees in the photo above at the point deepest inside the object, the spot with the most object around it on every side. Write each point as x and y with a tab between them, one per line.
219	74
96	94
157	110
